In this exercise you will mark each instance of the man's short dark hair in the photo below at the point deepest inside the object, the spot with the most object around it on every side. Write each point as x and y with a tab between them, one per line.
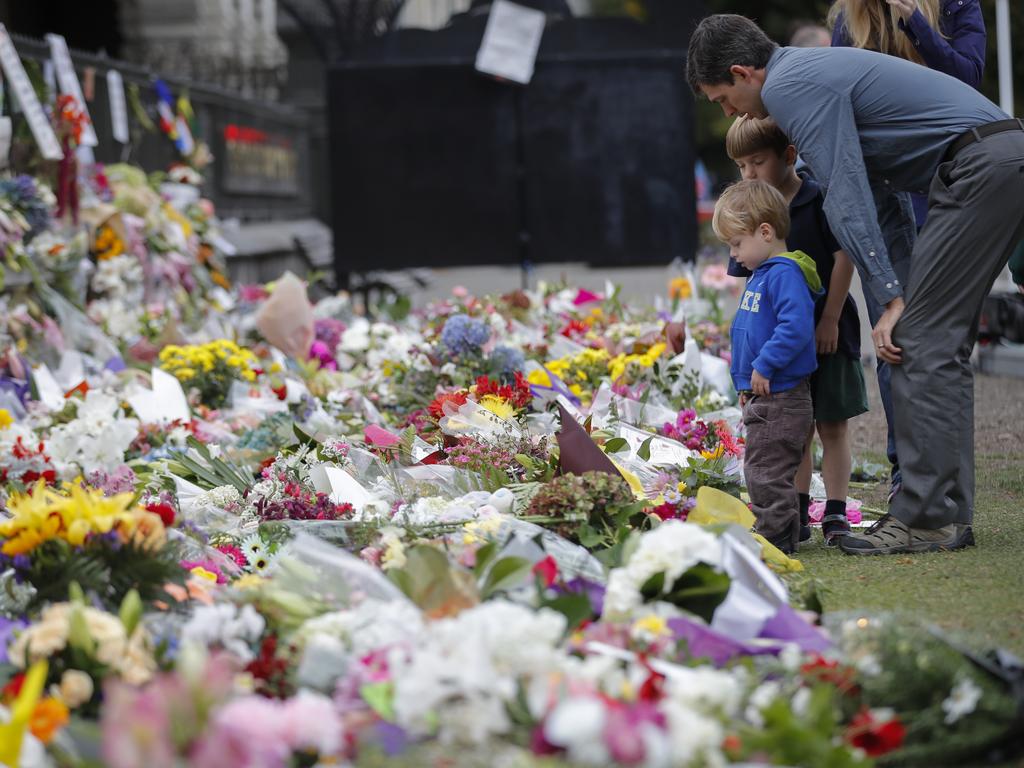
721	41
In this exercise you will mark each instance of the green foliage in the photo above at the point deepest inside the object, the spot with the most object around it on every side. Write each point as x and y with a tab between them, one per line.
209	472
789	738
700	590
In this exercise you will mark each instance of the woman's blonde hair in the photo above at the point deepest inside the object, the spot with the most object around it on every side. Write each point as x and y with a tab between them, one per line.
745	206
874	25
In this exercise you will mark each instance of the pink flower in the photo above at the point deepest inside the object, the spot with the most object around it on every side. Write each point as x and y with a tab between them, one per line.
379	437
716	278
460	292
585	297
252	293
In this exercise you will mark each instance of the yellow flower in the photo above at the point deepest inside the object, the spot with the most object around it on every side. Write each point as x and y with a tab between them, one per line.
539	377
5	418
715	454
202	573
248	581
499	406
680	288
650	626
249	376
185	374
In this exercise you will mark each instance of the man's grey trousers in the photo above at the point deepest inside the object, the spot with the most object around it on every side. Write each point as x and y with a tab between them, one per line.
975	219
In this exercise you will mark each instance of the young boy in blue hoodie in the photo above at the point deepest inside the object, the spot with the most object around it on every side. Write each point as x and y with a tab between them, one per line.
773	351
761	150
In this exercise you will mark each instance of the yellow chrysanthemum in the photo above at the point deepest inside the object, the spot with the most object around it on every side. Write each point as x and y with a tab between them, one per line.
5	418
499	406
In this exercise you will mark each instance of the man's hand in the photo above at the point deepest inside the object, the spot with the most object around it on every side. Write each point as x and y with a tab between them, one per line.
759	385
905	8
826	336
882	334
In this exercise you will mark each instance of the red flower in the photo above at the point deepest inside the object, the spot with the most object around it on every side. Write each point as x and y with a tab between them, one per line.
668	511
574	328
874	737
457	399
166	512
281	392
823	670
546	569
13	688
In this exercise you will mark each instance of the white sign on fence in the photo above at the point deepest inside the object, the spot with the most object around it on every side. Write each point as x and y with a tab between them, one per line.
27	99
118	106
67	79
511	40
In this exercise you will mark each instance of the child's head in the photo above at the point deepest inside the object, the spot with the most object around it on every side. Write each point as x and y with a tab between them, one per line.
761	150
752	217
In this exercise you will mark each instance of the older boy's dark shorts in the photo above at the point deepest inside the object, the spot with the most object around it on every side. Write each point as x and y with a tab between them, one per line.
837	388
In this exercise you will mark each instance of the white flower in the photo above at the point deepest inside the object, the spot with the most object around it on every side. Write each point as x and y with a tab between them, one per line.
706	689
762	697
356	337
868	665
577	725
800	702
695	738
672	549
226	625
962	700
394	550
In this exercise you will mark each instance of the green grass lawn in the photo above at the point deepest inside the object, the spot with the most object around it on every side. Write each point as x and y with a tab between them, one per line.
976	594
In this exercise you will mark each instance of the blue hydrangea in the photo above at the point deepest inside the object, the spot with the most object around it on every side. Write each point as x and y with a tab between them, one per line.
463	335
504	363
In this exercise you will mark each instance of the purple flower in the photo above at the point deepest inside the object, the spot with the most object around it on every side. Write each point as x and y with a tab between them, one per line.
464	335
7	629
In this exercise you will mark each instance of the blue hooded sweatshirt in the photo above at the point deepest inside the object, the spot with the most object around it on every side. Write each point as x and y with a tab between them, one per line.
773	330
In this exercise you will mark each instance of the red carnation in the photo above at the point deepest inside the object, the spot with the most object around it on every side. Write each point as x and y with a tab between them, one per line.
547	569
166	512
873	737
457	399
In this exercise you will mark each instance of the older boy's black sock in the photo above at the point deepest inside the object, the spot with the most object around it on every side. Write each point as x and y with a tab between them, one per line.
834	524
805	517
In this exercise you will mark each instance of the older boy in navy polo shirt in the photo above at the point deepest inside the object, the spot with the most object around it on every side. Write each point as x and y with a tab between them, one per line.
762	151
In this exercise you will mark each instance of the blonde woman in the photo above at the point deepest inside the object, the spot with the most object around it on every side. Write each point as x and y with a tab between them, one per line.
944	35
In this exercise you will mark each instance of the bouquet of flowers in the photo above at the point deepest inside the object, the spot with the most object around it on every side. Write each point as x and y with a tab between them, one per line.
210	369
107	545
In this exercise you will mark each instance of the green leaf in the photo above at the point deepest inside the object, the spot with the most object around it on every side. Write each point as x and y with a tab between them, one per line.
575	608
644	451
130	611
653	587
484	555
380	697
615	445
303	436
505	574
700	590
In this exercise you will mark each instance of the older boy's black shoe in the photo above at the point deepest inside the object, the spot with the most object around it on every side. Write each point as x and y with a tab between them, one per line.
805	517
786	542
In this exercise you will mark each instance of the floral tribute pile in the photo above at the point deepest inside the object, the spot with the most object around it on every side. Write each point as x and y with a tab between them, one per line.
241	529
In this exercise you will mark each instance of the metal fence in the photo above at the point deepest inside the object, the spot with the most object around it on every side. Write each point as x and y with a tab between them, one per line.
262	161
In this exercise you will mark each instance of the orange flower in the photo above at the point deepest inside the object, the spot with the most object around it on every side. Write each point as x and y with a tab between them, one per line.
680	288
49	716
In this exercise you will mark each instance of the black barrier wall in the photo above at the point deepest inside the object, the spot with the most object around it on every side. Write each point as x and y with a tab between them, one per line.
434	164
